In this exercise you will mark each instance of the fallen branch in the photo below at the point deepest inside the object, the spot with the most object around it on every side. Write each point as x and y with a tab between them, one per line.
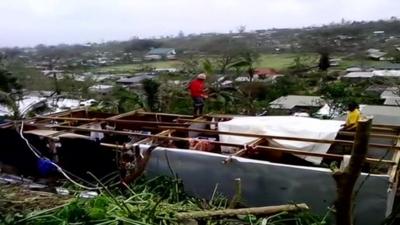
267	210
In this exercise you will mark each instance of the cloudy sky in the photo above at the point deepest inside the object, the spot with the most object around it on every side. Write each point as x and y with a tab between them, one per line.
30	22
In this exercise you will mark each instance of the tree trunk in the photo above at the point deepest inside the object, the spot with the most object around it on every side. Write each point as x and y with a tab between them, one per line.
346	179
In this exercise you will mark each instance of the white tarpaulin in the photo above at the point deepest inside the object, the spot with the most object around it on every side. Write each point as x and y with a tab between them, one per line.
289	126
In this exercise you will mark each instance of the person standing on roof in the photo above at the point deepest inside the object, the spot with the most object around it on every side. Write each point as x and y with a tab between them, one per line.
197	92
353	115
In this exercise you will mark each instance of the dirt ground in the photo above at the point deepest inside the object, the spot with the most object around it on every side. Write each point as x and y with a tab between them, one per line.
19	199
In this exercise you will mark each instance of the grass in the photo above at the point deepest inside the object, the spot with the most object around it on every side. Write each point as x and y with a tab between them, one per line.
277	61
280	61
128	68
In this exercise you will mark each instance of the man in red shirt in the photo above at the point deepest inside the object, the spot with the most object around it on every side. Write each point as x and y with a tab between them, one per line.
197	88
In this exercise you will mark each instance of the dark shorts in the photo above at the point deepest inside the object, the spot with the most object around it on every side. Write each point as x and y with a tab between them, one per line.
198	101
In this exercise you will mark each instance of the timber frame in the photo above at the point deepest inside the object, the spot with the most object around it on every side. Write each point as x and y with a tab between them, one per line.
165	128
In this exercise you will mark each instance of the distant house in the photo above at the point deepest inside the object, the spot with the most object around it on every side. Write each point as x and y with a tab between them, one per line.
379	32
376	89
358	75
291	104
376	75
160	53
392	102
354	69
375	54
391	95
388	66
166	70
382	114
135	80
265	72
386	73
260	74
101	89
334	62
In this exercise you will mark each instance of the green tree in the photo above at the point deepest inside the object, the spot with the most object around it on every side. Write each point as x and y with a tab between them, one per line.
336	95
121	100
9	101
247	61
10	90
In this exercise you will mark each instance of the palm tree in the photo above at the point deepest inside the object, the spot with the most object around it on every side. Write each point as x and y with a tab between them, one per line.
9	90
10	102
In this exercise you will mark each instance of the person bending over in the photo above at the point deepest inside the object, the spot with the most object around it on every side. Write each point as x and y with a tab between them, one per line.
197	92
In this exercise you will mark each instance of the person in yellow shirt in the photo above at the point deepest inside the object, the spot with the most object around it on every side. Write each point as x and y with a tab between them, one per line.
353	115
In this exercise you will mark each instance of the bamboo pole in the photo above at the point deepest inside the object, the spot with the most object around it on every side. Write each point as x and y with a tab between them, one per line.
176	124
376	135
140	122
346	133
267	210
346	179
243	150
323	141
374	126
322	155
164	114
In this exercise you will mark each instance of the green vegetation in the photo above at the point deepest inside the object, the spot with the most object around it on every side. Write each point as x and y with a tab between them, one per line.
9	90
280	61
151	90
29	77
277	61
119	101
147	202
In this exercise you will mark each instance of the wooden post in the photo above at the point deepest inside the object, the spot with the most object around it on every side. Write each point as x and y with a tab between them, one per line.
238	194
346	179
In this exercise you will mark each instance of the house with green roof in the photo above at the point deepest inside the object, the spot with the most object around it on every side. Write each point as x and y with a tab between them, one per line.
160	53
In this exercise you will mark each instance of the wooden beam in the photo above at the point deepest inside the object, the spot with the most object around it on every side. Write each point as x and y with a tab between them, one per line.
316	154
244	150
323	141
215	142
376	135
374	128
393	171
165	114
120	121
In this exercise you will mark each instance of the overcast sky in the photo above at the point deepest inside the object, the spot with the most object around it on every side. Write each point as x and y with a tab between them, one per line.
30	22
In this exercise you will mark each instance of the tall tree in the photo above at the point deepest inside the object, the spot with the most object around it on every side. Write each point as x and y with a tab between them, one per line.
324	63
151	89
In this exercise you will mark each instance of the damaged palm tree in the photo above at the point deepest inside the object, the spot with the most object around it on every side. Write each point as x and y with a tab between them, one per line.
134	163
